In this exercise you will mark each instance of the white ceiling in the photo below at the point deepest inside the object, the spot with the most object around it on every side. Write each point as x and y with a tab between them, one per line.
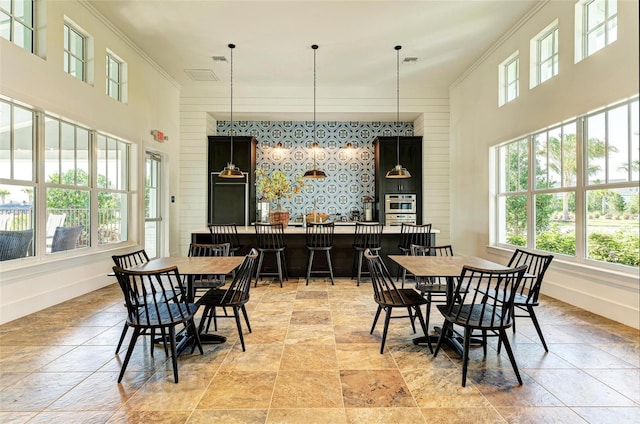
356	40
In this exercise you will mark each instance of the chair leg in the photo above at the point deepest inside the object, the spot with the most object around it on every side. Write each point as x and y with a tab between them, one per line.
132	343
246	318
328	253
484	342
443	331
426	318
411	318
124	333
507	346
259	267
424	327
236	313
174	353
536	324
465	355
309	263
360	252
279	263
387	318
375	319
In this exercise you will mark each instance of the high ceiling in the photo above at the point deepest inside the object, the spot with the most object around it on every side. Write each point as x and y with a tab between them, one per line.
356	39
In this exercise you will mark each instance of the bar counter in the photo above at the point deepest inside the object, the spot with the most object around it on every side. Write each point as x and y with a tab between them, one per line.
296	252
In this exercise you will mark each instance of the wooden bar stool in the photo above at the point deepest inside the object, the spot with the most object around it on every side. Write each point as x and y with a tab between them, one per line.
226	233
270	239
367	236
319	238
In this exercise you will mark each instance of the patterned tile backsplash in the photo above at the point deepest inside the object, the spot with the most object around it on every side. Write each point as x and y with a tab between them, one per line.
350	172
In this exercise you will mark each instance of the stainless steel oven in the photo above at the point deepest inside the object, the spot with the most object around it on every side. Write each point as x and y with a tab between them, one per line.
400	218
400	204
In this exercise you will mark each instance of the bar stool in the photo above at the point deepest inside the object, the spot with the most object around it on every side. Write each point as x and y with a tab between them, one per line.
226	233
419	235
270	239
319	238
367	236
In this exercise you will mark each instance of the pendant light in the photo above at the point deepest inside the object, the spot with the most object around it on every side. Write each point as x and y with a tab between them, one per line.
314	173
398	171
231	171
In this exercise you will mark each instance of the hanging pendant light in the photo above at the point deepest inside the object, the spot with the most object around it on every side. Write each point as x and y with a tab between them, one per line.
231	171
314	173
398	171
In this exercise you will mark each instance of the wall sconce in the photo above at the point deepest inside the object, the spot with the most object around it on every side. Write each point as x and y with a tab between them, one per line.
278	151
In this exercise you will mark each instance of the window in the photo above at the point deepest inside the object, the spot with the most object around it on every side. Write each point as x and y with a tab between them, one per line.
509	79
544	55
596	26
572	189
112	183
17	182
16	22
114	77
75	52
81	185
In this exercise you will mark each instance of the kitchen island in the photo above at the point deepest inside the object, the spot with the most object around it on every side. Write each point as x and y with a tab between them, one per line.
296	252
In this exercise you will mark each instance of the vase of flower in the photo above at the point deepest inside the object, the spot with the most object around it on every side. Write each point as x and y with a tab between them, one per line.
273	187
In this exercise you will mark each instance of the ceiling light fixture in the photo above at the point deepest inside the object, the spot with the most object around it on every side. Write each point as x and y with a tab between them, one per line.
231	171
314	173
398	171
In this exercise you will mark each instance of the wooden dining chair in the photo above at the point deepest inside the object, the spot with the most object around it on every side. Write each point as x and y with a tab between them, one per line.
473	310
418	234
147	311
202	283
388	297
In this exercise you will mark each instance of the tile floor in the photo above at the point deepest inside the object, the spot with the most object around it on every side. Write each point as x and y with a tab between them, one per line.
311	359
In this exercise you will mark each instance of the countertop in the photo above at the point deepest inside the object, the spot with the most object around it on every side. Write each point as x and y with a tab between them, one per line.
296	228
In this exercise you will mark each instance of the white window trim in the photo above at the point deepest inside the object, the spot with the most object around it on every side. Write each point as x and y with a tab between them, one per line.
503	82
88	60
32	27
580	35
534	61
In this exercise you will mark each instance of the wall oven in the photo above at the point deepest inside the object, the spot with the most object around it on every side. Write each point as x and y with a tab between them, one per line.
400	218
400	203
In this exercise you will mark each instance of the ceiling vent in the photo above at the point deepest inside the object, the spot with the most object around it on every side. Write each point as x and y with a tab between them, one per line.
219	58
410	60
202	75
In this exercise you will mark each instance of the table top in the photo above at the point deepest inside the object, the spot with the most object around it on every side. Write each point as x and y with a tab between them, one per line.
442	266
198	265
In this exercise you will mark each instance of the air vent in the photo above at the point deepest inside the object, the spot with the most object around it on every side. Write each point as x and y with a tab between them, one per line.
202	75
219	58
410	60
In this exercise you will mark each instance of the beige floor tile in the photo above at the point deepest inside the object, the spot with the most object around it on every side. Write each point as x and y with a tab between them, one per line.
462	415
363	356
233	389
540	415
605	415
307	388
228	416
310	334
308	357
67	417
384	415
156	417
307	416
375	388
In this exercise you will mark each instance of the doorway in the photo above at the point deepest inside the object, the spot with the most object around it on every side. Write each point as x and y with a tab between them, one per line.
153	234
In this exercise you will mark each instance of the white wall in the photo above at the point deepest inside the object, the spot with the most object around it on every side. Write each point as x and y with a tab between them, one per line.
477	123
153	103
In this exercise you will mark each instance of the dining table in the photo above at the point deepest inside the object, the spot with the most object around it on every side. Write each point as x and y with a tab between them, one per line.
448	267
190	267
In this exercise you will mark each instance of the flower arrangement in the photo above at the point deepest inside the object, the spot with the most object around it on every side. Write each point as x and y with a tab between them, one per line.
275	186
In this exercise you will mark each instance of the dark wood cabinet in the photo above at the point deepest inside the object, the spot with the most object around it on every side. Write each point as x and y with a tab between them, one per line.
386	156
231	200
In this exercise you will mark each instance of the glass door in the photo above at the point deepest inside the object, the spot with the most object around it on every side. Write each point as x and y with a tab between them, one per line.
152	206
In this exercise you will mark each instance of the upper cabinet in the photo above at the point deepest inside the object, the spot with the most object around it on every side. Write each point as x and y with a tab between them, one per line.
410	151
231	200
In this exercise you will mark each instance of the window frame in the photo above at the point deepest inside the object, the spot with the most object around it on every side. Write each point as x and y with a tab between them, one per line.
580	189
31	27
117	80
69	56
582	31
536	61
504	83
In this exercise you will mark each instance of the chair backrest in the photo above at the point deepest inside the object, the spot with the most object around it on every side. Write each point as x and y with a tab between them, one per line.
54	221
154	297
269	236
225	233
198	249
65	238
368	236
384	289
537	266
489	292
238	289
419	234
320	235
15	244
130	259
444	250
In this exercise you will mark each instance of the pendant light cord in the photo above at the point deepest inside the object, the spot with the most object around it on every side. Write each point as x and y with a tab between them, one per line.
398	104
231	46
315	142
